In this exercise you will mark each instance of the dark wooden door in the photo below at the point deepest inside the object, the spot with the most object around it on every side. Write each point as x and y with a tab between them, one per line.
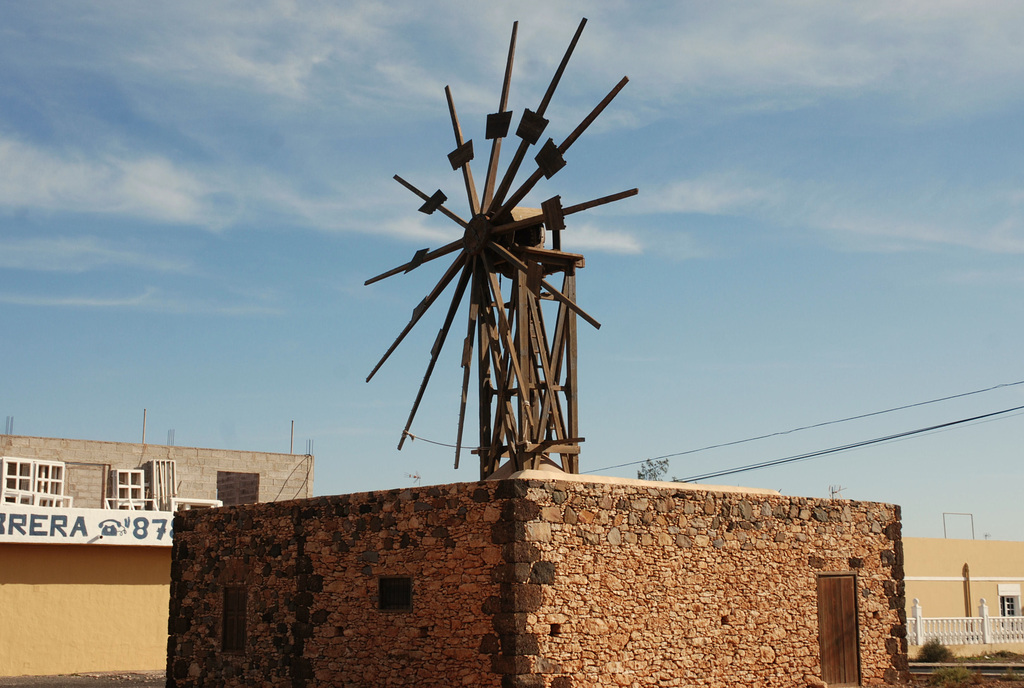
837	630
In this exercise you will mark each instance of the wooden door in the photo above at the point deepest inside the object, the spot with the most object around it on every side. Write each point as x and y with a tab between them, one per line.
837	630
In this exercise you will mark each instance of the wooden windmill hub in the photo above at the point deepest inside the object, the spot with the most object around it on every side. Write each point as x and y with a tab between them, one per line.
477	234
526	365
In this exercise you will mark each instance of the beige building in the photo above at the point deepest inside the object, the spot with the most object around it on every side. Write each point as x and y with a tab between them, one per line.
967	593
85	535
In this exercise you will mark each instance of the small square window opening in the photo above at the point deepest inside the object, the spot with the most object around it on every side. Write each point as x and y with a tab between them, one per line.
394	594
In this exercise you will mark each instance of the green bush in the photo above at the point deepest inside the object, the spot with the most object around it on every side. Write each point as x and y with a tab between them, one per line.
953	677
935	651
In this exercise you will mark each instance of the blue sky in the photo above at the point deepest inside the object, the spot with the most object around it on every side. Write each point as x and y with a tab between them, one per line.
830	223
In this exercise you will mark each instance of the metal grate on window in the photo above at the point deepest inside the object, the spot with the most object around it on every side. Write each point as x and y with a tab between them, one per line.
394	594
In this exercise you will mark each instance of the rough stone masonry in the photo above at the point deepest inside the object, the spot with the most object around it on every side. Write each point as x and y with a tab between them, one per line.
532	582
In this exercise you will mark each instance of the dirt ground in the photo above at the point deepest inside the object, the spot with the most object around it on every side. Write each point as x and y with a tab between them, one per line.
1007	671
154	679
977	682
146	679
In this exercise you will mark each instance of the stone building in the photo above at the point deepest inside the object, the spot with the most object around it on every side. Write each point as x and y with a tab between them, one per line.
85	535
539	581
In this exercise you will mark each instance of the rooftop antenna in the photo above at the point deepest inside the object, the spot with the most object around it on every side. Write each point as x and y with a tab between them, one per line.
835	491
9	427
309	447
143	426
291	442
954	513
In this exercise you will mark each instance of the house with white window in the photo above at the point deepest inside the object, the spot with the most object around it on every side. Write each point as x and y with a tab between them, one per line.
85	535
965	593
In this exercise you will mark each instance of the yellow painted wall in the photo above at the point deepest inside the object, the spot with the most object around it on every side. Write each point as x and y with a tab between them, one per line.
942	557
73	608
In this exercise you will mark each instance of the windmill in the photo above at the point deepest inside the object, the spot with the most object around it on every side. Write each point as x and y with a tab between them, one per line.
526	365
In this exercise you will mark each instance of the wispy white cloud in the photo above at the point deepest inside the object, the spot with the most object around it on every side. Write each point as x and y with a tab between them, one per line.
867	230
77	254
855	216
715	194
587	236
274	47
150	300
146	186
987	277
144	300
396	58
786	55
782	54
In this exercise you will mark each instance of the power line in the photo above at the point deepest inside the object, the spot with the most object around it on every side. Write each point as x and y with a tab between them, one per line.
810	455
845	447
809	427
424	439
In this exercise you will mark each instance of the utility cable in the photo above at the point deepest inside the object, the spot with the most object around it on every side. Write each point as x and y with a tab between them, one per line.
845	447
424	439
799	429
808	427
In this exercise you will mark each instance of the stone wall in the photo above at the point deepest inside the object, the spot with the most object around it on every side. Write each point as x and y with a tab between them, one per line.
312	568
655	586
534	582
88	462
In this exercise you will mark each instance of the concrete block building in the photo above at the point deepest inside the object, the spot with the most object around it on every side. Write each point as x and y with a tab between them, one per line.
85	543
539	580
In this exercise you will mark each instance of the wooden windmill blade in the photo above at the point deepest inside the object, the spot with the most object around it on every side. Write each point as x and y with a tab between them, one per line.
435	351
533	124
462	155
498	123
467	365
420	310
424	255
550	160
541	216
526	374
433	202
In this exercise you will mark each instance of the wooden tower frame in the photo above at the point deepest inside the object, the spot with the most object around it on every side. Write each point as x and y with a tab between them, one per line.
526	372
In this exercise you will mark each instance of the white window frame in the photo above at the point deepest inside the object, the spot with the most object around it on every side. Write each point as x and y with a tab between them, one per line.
35	482
162	483
128	490
1009	599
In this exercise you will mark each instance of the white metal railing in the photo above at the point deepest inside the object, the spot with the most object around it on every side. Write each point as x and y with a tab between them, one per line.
964	630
